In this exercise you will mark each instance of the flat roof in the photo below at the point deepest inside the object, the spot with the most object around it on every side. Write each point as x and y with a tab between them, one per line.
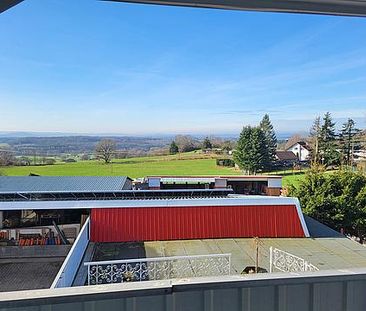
30	267
326	249
325	253
15	184
31	274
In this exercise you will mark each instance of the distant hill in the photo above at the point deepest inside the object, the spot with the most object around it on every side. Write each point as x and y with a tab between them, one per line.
58	143
35	134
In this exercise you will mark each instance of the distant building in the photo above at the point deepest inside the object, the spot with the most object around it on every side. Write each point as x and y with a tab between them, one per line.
240	184
301	149
359	156
286	157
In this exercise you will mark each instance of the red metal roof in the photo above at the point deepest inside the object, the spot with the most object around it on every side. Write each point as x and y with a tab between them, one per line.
194	222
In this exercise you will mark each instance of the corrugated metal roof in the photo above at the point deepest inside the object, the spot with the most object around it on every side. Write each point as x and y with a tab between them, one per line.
62	183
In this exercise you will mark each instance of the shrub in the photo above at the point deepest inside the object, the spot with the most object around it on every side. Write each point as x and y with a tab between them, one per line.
337	199
225	162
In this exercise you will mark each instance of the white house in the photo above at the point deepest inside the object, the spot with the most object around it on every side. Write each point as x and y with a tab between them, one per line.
301	150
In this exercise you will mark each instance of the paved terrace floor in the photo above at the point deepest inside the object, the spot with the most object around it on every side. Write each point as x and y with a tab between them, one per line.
325	253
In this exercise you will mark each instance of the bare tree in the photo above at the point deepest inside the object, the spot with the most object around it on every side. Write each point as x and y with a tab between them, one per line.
315	136
85	157
185	143
105	150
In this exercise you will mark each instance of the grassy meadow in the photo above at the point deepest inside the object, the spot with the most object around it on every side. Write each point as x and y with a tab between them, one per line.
182	164
193	163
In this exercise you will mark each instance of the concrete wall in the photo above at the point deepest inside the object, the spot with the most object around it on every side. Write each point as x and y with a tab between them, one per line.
319	291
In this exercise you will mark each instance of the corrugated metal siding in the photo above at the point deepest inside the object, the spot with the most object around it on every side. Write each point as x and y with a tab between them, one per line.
175	223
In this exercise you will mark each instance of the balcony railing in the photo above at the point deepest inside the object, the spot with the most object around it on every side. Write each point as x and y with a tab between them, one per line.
160	268
287	262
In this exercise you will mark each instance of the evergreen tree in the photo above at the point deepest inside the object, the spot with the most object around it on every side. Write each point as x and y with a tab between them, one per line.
241	154
270	141
206	144
249	153
259	152
347	141
327	143
173	149
315	136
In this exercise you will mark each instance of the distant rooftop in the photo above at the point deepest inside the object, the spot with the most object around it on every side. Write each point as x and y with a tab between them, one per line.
285	155
301	143
15	184
216	176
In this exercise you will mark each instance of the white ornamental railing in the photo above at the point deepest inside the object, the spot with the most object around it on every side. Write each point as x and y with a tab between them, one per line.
287	262
160	268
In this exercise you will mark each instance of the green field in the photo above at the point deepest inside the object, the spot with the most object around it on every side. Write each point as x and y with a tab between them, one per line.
293	179
182	164
185	164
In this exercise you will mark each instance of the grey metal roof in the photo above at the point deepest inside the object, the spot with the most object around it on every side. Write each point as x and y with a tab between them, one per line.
16	184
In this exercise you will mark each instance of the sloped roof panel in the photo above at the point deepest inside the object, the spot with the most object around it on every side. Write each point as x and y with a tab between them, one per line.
61	183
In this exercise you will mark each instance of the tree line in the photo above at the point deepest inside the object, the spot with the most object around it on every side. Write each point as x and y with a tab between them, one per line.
186	143
329	147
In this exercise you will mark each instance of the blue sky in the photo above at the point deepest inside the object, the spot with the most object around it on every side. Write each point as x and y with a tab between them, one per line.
99	67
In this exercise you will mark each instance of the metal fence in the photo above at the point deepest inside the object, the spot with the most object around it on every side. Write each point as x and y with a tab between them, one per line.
160	268
287	262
